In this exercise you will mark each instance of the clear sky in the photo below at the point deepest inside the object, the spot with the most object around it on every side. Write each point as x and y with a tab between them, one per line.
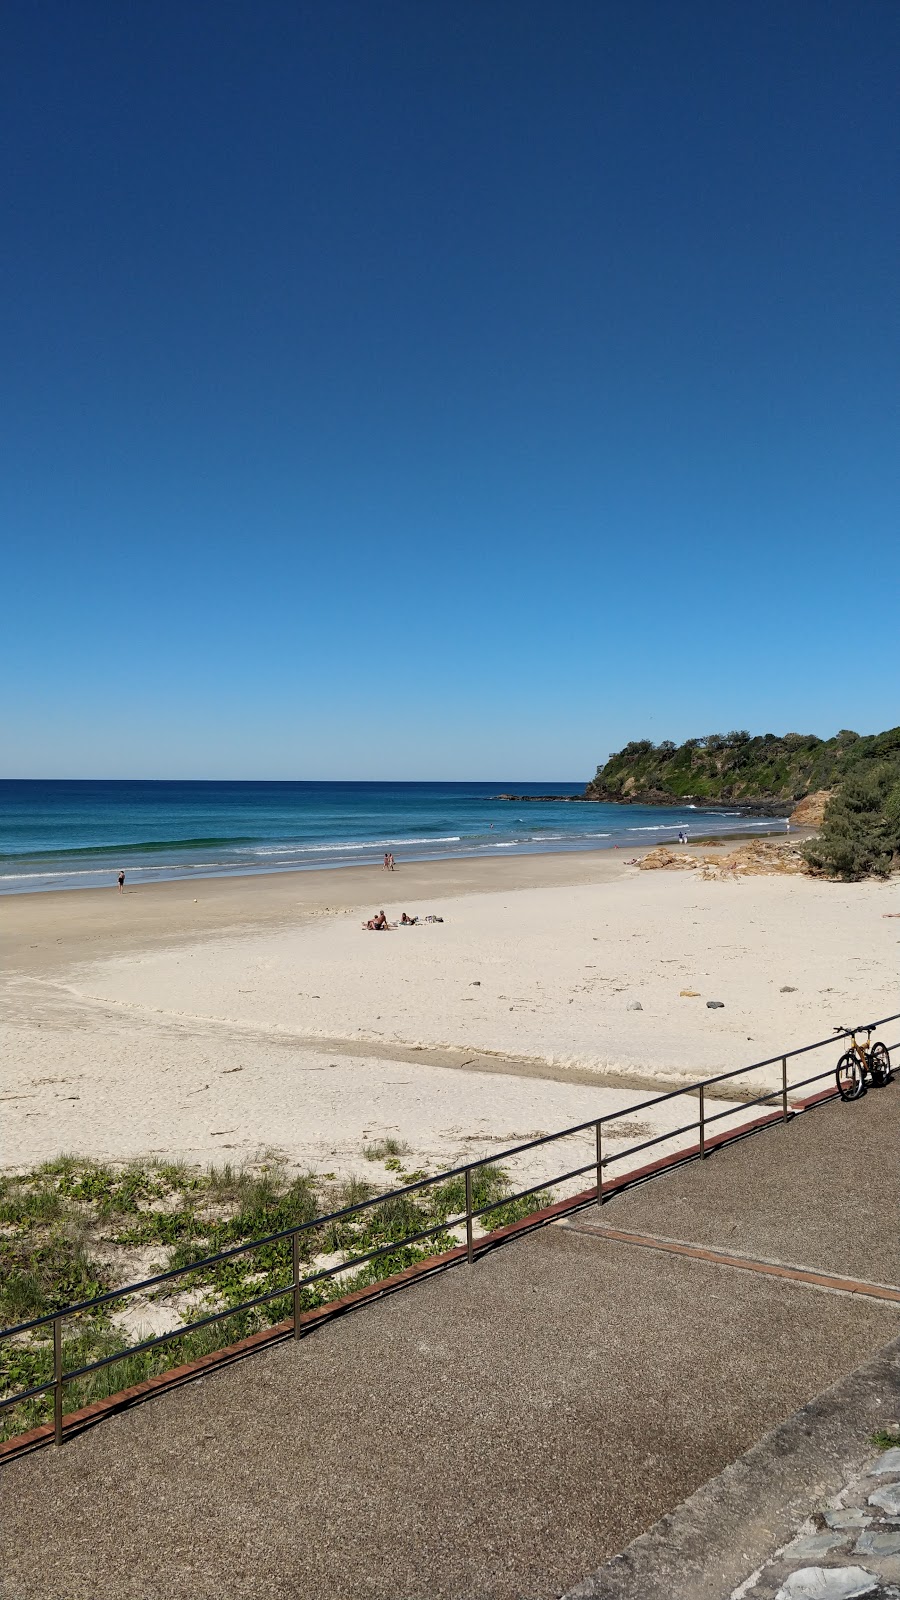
444	388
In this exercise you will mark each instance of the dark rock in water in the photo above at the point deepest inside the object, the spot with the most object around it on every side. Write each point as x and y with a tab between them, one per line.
525	799
715	1005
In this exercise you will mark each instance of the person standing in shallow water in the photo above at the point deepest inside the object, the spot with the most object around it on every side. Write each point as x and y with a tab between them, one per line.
121	880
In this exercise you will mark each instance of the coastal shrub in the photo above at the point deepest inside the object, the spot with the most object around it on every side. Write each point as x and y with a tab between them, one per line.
861	830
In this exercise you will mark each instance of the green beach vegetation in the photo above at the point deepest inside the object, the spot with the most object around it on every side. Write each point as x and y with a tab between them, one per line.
769	770
858	775
72	1229
860	834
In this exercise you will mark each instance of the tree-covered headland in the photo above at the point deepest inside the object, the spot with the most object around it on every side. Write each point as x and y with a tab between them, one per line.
860	833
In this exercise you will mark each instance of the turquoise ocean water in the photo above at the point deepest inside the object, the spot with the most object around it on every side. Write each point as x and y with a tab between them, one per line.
70	835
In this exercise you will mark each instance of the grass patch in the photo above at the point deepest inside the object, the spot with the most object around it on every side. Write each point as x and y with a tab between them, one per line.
385	1147
886	1438
72	1229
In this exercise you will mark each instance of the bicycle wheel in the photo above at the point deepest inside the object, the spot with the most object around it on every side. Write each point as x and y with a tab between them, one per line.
879	1065
849	1077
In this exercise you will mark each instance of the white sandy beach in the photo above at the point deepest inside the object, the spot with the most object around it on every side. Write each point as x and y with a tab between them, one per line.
219	1018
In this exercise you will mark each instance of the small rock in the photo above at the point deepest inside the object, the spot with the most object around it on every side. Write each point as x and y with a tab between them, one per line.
634	1005
827	1583
889	1462
887	1498
787	988
475	984
852	1518
715	1005
872	1543
813	1545
690	994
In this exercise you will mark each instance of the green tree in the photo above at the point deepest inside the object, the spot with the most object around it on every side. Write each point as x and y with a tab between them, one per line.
861	830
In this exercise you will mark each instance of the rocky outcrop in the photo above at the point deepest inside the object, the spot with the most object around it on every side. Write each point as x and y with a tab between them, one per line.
810	811
754	860
767	772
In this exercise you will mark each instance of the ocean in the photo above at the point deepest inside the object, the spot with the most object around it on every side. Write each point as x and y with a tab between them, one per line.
79	834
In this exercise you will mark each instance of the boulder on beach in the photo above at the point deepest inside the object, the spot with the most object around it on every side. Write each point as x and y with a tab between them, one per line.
662	856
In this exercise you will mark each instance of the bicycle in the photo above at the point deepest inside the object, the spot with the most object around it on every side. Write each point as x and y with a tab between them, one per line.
859	1062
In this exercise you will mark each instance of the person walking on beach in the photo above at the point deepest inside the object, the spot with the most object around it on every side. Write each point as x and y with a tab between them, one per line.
387	862
121	880
391	861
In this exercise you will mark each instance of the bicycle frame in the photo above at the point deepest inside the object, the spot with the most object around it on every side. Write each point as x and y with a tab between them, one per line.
862	1050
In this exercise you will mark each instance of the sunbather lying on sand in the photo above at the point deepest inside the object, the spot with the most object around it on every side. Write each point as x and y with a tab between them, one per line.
408	922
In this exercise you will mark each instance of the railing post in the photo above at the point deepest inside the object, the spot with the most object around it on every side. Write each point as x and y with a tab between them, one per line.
295	1272
702	1122
599	1133
470	1244
784	1105
57	1380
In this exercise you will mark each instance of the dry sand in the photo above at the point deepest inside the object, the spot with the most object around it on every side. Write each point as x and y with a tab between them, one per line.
219	1017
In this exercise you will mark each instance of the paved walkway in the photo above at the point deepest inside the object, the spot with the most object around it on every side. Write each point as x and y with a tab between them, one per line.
498	1431
820	1191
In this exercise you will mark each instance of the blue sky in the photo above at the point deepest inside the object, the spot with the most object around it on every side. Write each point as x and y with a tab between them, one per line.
443	390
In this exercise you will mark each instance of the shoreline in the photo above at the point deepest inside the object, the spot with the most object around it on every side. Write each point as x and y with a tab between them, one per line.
518	852
60	927
83	924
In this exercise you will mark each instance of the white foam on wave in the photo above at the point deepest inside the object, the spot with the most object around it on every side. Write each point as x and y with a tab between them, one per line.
107	872
347	844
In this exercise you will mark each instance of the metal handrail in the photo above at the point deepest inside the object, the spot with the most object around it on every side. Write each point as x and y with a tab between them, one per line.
467	1218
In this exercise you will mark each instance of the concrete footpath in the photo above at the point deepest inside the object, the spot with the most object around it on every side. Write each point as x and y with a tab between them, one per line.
500	1431
786	1520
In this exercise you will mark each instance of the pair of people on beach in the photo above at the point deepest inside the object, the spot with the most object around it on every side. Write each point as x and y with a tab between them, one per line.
388	861
380	922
